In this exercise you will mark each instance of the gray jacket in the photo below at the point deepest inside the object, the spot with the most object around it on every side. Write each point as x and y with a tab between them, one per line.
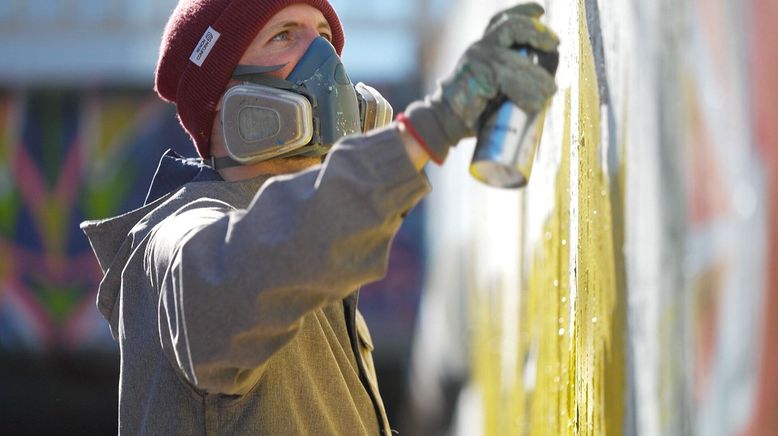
234	303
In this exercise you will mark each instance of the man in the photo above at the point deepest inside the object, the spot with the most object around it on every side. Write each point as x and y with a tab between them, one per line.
233	296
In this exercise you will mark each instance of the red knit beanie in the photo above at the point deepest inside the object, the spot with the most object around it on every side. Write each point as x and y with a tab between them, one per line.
202	43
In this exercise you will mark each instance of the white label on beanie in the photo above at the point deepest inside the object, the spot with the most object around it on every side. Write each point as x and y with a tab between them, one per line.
204	47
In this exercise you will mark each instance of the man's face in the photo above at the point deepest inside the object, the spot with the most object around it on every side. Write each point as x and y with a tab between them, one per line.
285	38
282	41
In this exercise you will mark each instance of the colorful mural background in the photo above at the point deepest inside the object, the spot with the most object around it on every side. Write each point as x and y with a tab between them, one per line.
628	289
68	156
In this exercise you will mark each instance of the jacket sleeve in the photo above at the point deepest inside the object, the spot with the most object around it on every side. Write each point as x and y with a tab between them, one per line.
234	284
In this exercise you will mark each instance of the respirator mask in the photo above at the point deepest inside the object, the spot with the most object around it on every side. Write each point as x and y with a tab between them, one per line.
265	117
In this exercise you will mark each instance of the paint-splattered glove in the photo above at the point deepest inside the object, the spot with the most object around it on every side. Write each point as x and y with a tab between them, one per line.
489	68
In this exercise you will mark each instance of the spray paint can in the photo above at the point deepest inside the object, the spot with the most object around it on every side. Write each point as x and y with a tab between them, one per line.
508	136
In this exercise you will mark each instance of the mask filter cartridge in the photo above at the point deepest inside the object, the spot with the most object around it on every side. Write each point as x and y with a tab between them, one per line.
260	122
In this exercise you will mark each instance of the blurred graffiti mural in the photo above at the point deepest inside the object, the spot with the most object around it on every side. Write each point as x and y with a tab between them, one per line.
636	298
67	157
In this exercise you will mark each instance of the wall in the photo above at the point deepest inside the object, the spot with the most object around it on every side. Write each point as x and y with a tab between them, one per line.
626	289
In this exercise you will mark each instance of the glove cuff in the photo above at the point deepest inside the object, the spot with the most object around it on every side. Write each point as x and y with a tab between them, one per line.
405	121
422	120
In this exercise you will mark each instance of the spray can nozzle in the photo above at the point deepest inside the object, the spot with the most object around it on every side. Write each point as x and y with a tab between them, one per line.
508	136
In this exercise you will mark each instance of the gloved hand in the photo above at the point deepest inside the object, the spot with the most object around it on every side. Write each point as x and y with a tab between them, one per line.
489	68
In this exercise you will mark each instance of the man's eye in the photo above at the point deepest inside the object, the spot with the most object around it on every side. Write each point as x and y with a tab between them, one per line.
282	36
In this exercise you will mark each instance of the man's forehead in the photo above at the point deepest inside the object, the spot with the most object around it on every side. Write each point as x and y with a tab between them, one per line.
296	15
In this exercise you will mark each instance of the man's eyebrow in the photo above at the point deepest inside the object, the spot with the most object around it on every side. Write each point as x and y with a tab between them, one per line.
323	25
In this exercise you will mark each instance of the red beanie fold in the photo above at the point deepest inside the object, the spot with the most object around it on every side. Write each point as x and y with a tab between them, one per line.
232	26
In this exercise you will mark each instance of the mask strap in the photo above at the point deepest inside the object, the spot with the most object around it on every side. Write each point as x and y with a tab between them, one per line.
242	70
220	163
260	76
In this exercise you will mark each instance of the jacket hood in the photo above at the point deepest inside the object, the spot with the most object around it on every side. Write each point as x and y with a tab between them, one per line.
112	239
111	242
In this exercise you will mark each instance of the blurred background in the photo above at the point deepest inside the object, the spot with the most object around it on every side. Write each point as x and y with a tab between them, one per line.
627	290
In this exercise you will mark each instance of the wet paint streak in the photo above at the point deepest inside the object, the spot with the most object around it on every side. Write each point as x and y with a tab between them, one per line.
541	402
572	367
600	358
548	371
486	370
575	345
